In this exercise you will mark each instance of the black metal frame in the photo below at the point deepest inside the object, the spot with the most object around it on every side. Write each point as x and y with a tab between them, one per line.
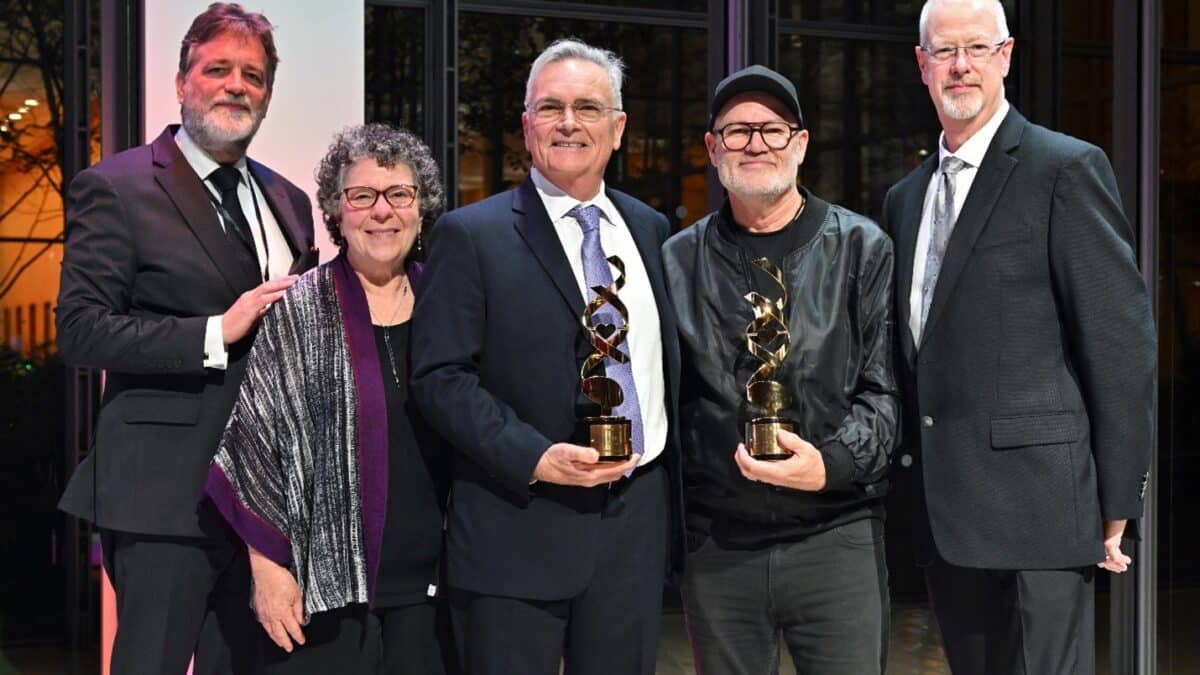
1137	45
80	607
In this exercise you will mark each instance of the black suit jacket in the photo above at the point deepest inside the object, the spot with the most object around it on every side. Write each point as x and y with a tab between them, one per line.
497	348
1029	402
146	262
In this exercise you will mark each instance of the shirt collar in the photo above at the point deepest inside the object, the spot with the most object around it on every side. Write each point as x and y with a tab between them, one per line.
558	202
975	147
199	160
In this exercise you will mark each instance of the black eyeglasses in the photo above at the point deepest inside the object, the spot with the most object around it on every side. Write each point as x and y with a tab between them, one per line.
979	51
775	135
552	110
363	197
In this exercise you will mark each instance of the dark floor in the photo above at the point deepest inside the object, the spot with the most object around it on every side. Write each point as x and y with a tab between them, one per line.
914	649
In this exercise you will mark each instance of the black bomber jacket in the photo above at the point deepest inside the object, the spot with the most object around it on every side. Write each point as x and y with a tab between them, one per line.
838	371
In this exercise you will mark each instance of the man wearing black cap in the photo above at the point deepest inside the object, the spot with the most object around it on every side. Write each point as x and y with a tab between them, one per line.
792	546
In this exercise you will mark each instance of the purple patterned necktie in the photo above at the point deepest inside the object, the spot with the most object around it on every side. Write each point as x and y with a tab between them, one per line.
596	272
939	235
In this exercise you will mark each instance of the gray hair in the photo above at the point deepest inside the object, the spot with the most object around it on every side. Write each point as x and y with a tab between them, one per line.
571	48
994	5
388	146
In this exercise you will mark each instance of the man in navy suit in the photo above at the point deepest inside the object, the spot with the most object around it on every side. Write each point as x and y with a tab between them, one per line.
551	553
174	251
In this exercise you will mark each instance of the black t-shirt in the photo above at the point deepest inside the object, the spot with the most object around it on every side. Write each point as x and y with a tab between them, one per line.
775	246
418	481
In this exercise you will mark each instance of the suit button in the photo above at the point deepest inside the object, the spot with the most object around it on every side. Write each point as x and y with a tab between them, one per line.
927	422
906	460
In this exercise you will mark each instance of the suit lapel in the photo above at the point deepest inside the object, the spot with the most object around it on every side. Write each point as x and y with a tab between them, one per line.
650	248
187	191
280	205
647	243
997	164
534	226
908	224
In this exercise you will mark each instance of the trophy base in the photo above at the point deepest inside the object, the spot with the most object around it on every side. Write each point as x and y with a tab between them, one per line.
610	436
760	437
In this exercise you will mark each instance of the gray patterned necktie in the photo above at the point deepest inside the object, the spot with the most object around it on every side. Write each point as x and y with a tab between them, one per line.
939	236
597	273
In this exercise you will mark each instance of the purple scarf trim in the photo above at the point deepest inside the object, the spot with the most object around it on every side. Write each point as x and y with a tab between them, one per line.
256	532
372	412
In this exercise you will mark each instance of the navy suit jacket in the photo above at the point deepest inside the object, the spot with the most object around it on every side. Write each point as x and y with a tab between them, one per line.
146	262
497	348
1028	404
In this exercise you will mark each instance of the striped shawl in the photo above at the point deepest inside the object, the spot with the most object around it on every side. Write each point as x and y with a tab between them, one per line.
301	471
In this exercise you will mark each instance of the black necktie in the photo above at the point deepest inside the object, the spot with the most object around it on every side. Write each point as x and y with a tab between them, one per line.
237	228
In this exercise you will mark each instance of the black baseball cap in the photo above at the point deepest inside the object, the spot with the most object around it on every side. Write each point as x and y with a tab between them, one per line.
756	78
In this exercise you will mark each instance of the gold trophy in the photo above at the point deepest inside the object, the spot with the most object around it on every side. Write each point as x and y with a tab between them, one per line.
768	328
609	434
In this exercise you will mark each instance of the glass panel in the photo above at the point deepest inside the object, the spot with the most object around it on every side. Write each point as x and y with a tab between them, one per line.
33	466
883	12
662	159
869	117
679	5
1087	71
891	13
1179	342
395	66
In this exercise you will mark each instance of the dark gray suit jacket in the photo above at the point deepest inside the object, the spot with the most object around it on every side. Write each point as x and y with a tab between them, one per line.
1029	402
145	264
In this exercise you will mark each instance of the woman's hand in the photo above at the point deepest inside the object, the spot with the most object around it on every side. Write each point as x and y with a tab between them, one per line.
277	601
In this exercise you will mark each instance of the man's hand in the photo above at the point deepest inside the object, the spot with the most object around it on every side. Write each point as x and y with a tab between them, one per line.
1114	560
251	306
804	470
277	601
567	464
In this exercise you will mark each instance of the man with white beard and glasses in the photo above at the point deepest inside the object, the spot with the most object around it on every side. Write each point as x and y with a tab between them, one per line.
174	251
1026	356
789	546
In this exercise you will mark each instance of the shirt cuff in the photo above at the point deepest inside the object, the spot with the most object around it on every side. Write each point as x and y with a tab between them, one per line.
215	354
839	465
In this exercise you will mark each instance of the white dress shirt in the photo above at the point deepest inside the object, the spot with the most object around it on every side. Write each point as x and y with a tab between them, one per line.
971	152
645	338
273	252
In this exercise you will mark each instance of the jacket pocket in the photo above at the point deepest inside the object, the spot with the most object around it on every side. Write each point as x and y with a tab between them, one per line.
160	408
1029	430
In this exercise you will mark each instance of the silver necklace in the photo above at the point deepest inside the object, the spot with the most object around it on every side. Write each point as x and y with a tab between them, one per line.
387	337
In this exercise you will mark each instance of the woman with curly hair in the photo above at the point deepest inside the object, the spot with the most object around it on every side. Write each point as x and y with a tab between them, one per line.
326	469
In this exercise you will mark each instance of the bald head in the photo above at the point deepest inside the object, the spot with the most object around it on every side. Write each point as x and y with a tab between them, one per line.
994	6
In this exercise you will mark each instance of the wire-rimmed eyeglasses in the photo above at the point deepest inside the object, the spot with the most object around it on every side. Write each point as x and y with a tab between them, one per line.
977	51
552	110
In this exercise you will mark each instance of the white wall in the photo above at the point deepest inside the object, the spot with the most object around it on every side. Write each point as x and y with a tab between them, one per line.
318	86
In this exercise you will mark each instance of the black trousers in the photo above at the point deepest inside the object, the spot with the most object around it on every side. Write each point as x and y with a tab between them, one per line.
355	640
1015	622
826	596
610	628
181	595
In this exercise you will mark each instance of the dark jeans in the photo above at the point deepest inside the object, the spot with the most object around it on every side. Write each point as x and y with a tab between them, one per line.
354	640
1015	622
826	595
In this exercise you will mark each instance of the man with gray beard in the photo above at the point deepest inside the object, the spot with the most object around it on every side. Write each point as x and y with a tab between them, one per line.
790	545
1027	362
174	251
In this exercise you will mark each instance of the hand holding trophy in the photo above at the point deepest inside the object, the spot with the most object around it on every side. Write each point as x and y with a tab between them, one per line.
610	435
767	329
